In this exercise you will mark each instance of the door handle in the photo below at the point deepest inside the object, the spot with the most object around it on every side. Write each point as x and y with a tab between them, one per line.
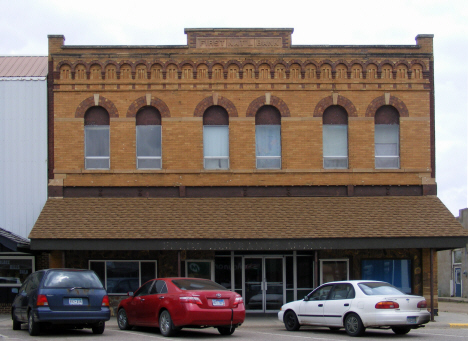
266	286
346	304
142	299
320	305
161	297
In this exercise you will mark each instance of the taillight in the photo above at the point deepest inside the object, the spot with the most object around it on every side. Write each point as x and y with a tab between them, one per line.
190	299
42	300
238	300
105	301
387	305
422	304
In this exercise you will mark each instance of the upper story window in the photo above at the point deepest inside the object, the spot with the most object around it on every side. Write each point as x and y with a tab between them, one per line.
268	138
97	138
335	138
216	138
148	138
387	137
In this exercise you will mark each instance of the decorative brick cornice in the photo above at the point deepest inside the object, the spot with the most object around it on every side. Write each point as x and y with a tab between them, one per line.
222	102
277	102
341	101
380	101
89	102
142	102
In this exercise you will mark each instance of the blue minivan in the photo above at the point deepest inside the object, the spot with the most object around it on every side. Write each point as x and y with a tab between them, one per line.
73	298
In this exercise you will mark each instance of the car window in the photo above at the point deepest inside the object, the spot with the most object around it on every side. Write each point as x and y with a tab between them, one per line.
197	284
379	288
342	291
145	289
72	279
321	293
160	287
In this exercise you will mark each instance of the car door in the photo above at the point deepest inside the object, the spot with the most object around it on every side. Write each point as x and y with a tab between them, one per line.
150	304
137	311
311	308
20	302
337	304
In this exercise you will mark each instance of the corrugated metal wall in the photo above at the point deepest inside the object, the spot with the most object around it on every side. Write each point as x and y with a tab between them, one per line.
23	153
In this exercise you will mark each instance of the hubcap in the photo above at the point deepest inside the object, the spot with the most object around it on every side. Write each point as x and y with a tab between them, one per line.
352	324
122	318
164	322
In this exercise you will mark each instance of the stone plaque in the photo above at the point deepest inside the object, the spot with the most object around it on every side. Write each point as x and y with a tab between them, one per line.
228	42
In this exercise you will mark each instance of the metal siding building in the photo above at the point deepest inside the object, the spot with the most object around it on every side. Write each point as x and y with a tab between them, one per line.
23	142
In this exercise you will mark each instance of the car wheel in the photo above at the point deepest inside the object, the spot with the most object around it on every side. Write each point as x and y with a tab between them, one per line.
33	327
226	330
401	330
353	325
290	321
122	320
165	324
99	327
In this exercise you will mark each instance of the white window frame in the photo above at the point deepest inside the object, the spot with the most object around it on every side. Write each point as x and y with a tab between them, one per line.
212	266
275	157
220	157
93	127
381	157
147	157
124	261
335	157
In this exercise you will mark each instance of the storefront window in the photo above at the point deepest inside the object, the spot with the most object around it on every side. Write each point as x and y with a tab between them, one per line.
121	277
13	272
334	270
223	271
199	269
394	271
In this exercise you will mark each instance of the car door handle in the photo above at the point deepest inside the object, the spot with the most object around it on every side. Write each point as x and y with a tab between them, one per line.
161	297
142	299
320	305
346	304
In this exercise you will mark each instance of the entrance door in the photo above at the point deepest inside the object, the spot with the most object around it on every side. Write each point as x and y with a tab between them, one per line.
264	283
457	282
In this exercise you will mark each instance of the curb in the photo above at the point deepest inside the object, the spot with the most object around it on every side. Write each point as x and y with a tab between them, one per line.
458	325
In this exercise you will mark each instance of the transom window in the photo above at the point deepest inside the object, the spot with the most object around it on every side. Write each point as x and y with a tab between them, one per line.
148	138
268	138
97	138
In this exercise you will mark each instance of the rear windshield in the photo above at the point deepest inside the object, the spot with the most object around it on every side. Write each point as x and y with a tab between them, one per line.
197	284
379	288
72	279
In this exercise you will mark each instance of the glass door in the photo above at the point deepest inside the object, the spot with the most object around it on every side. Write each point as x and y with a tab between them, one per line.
264	283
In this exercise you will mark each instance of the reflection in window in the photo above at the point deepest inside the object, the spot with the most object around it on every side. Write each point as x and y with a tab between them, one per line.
394	271
121	277
334	270
198	269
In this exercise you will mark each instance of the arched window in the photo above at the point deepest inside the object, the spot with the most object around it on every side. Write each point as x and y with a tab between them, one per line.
216	138
97	139
387	137
335	137
268	138
148	138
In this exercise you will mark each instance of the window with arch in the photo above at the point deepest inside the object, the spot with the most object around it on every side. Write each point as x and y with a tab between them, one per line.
216	138
268	138
387	138
97	138
148	138
335	138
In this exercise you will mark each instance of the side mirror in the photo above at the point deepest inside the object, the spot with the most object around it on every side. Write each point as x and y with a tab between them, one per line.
306	298
130	293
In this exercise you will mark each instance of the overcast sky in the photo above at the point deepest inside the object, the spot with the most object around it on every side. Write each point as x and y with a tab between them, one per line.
24	26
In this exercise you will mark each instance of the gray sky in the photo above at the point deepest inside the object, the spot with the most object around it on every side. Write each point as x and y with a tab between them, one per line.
24	26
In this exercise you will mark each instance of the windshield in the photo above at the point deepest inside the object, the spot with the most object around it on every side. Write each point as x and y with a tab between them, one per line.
197	284
379	288
72	279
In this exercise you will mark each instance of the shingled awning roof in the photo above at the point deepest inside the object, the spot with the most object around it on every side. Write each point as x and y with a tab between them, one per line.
287	223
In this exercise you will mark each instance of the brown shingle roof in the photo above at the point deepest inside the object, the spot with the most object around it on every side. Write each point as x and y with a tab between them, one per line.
245	218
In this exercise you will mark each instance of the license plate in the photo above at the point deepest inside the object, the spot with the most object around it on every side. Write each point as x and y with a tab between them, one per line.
217	303
75	301
411	319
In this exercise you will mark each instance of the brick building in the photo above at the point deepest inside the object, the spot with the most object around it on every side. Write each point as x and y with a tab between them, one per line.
266	166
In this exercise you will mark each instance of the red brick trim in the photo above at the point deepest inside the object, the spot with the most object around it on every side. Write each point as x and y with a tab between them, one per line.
89	102
155	102
208	102
328	101
277	102
397	103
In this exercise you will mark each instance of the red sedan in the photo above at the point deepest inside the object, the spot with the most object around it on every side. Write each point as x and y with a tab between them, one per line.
175	303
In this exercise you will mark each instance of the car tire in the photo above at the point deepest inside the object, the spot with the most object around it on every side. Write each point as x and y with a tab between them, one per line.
401	330
290	321
99	327
122	320
353	325
34	328
226	330
165	324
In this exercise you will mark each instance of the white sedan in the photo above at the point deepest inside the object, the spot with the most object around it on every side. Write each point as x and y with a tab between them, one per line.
357	305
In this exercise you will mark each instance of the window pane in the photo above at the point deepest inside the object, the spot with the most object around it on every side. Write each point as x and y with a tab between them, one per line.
305	270
223	271
387	133
199	269
97	163
394	271
334	271
269	163
97	141
268	140
14	271
122	277
216	141
386	149
216	163
149	163
100	269
148	271
387	162
335	140
148	140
